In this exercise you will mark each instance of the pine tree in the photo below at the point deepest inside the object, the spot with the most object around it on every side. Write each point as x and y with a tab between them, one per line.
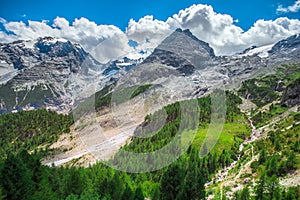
193	187
2	195
262	156
117	186
261	187
156	194
272	166
171	182
277	145
272	136
273	188
128	194
292	194
138	195
16	179
291	161
245	194
44	191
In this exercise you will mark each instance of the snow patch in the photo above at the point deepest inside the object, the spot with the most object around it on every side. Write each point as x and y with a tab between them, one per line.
139	55
7	72
50	40
29	44
260	51
29	61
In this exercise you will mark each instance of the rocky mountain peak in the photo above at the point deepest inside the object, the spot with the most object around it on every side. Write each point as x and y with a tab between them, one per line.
286	49
203	44
184	40
43	73
183	51
59	48
288	43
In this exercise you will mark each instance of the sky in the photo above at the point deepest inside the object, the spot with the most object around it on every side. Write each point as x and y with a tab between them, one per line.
106	27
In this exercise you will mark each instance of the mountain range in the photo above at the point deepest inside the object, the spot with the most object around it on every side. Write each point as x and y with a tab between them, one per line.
55	73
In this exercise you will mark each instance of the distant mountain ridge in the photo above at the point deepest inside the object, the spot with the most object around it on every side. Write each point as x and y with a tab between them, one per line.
53	73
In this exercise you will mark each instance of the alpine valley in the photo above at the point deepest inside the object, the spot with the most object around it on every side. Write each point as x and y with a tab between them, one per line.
65	117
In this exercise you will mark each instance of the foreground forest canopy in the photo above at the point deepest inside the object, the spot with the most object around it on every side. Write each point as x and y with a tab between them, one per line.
22	134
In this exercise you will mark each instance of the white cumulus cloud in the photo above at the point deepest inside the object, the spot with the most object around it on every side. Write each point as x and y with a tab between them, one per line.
293	8
221	32
147	32
108	42
217	29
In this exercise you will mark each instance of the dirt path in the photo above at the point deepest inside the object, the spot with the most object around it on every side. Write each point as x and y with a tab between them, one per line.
279	117
222	175
291	180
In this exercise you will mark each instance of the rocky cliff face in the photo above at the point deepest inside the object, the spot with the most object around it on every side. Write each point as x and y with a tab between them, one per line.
183	51
52	73
291	95
287	50
43	73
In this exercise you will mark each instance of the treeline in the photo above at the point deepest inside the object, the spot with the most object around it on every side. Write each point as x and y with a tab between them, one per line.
29	129
185	178
171	124
105	97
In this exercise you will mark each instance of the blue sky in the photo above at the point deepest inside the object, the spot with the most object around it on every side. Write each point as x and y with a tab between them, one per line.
119	12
